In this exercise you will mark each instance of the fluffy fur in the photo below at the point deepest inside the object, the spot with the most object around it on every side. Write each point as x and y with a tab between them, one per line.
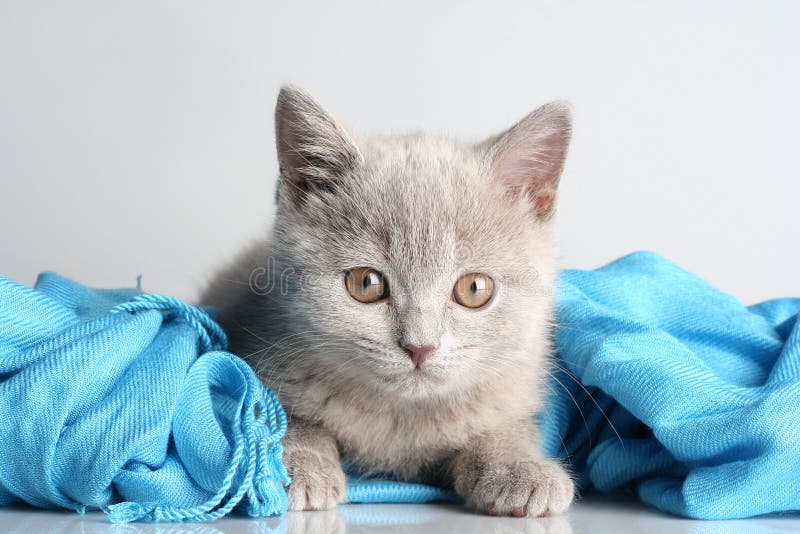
423	211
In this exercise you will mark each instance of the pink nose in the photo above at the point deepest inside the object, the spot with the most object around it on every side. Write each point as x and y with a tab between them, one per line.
418	354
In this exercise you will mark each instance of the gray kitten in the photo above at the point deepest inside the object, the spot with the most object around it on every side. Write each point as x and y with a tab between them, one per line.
401	307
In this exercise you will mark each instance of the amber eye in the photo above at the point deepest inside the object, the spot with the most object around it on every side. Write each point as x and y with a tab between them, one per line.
366	285
473	290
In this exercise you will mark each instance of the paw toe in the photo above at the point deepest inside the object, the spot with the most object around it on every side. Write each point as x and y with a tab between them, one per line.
532	489
317	483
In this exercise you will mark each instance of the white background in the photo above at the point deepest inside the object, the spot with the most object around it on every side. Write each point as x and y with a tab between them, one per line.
137	137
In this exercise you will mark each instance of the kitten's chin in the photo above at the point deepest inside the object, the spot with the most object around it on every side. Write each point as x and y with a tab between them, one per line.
419	383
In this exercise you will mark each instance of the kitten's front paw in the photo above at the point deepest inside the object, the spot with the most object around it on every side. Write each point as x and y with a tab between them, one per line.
523	488
318	482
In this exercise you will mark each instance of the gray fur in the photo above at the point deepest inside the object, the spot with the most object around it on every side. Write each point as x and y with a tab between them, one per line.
423	211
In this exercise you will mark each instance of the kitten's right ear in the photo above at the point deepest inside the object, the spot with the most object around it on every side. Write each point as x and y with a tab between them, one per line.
313	150
529	157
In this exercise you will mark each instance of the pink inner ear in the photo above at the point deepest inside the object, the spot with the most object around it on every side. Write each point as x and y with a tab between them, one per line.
534	174
543	204
534	171
529	157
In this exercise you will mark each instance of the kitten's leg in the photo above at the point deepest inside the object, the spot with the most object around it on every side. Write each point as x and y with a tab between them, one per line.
312	461
505	474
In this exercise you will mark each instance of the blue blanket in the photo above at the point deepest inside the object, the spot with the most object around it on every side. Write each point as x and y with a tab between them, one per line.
663	386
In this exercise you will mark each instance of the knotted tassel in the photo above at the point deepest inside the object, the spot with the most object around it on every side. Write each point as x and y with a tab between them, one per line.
258	453
268	496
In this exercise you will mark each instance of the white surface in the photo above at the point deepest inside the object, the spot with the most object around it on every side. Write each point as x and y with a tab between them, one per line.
595	515
136	137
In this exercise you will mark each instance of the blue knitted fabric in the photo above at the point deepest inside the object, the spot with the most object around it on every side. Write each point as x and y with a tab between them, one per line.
105	403
663	385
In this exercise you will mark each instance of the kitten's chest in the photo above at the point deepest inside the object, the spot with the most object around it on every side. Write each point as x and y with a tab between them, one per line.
404	440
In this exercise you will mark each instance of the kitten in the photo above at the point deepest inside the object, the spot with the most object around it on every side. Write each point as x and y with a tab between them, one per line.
401	307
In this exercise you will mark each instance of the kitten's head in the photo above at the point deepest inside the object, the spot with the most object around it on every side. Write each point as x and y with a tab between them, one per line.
415	264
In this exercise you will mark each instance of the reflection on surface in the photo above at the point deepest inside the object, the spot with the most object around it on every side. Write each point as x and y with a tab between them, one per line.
442	518
594	515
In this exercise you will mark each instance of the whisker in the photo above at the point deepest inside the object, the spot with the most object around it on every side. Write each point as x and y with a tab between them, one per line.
578	406
605	416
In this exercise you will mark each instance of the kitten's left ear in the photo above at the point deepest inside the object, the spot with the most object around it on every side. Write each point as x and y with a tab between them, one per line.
529	157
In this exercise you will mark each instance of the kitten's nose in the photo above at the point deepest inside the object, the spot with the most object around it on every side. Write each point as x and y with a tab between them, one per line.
418	353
